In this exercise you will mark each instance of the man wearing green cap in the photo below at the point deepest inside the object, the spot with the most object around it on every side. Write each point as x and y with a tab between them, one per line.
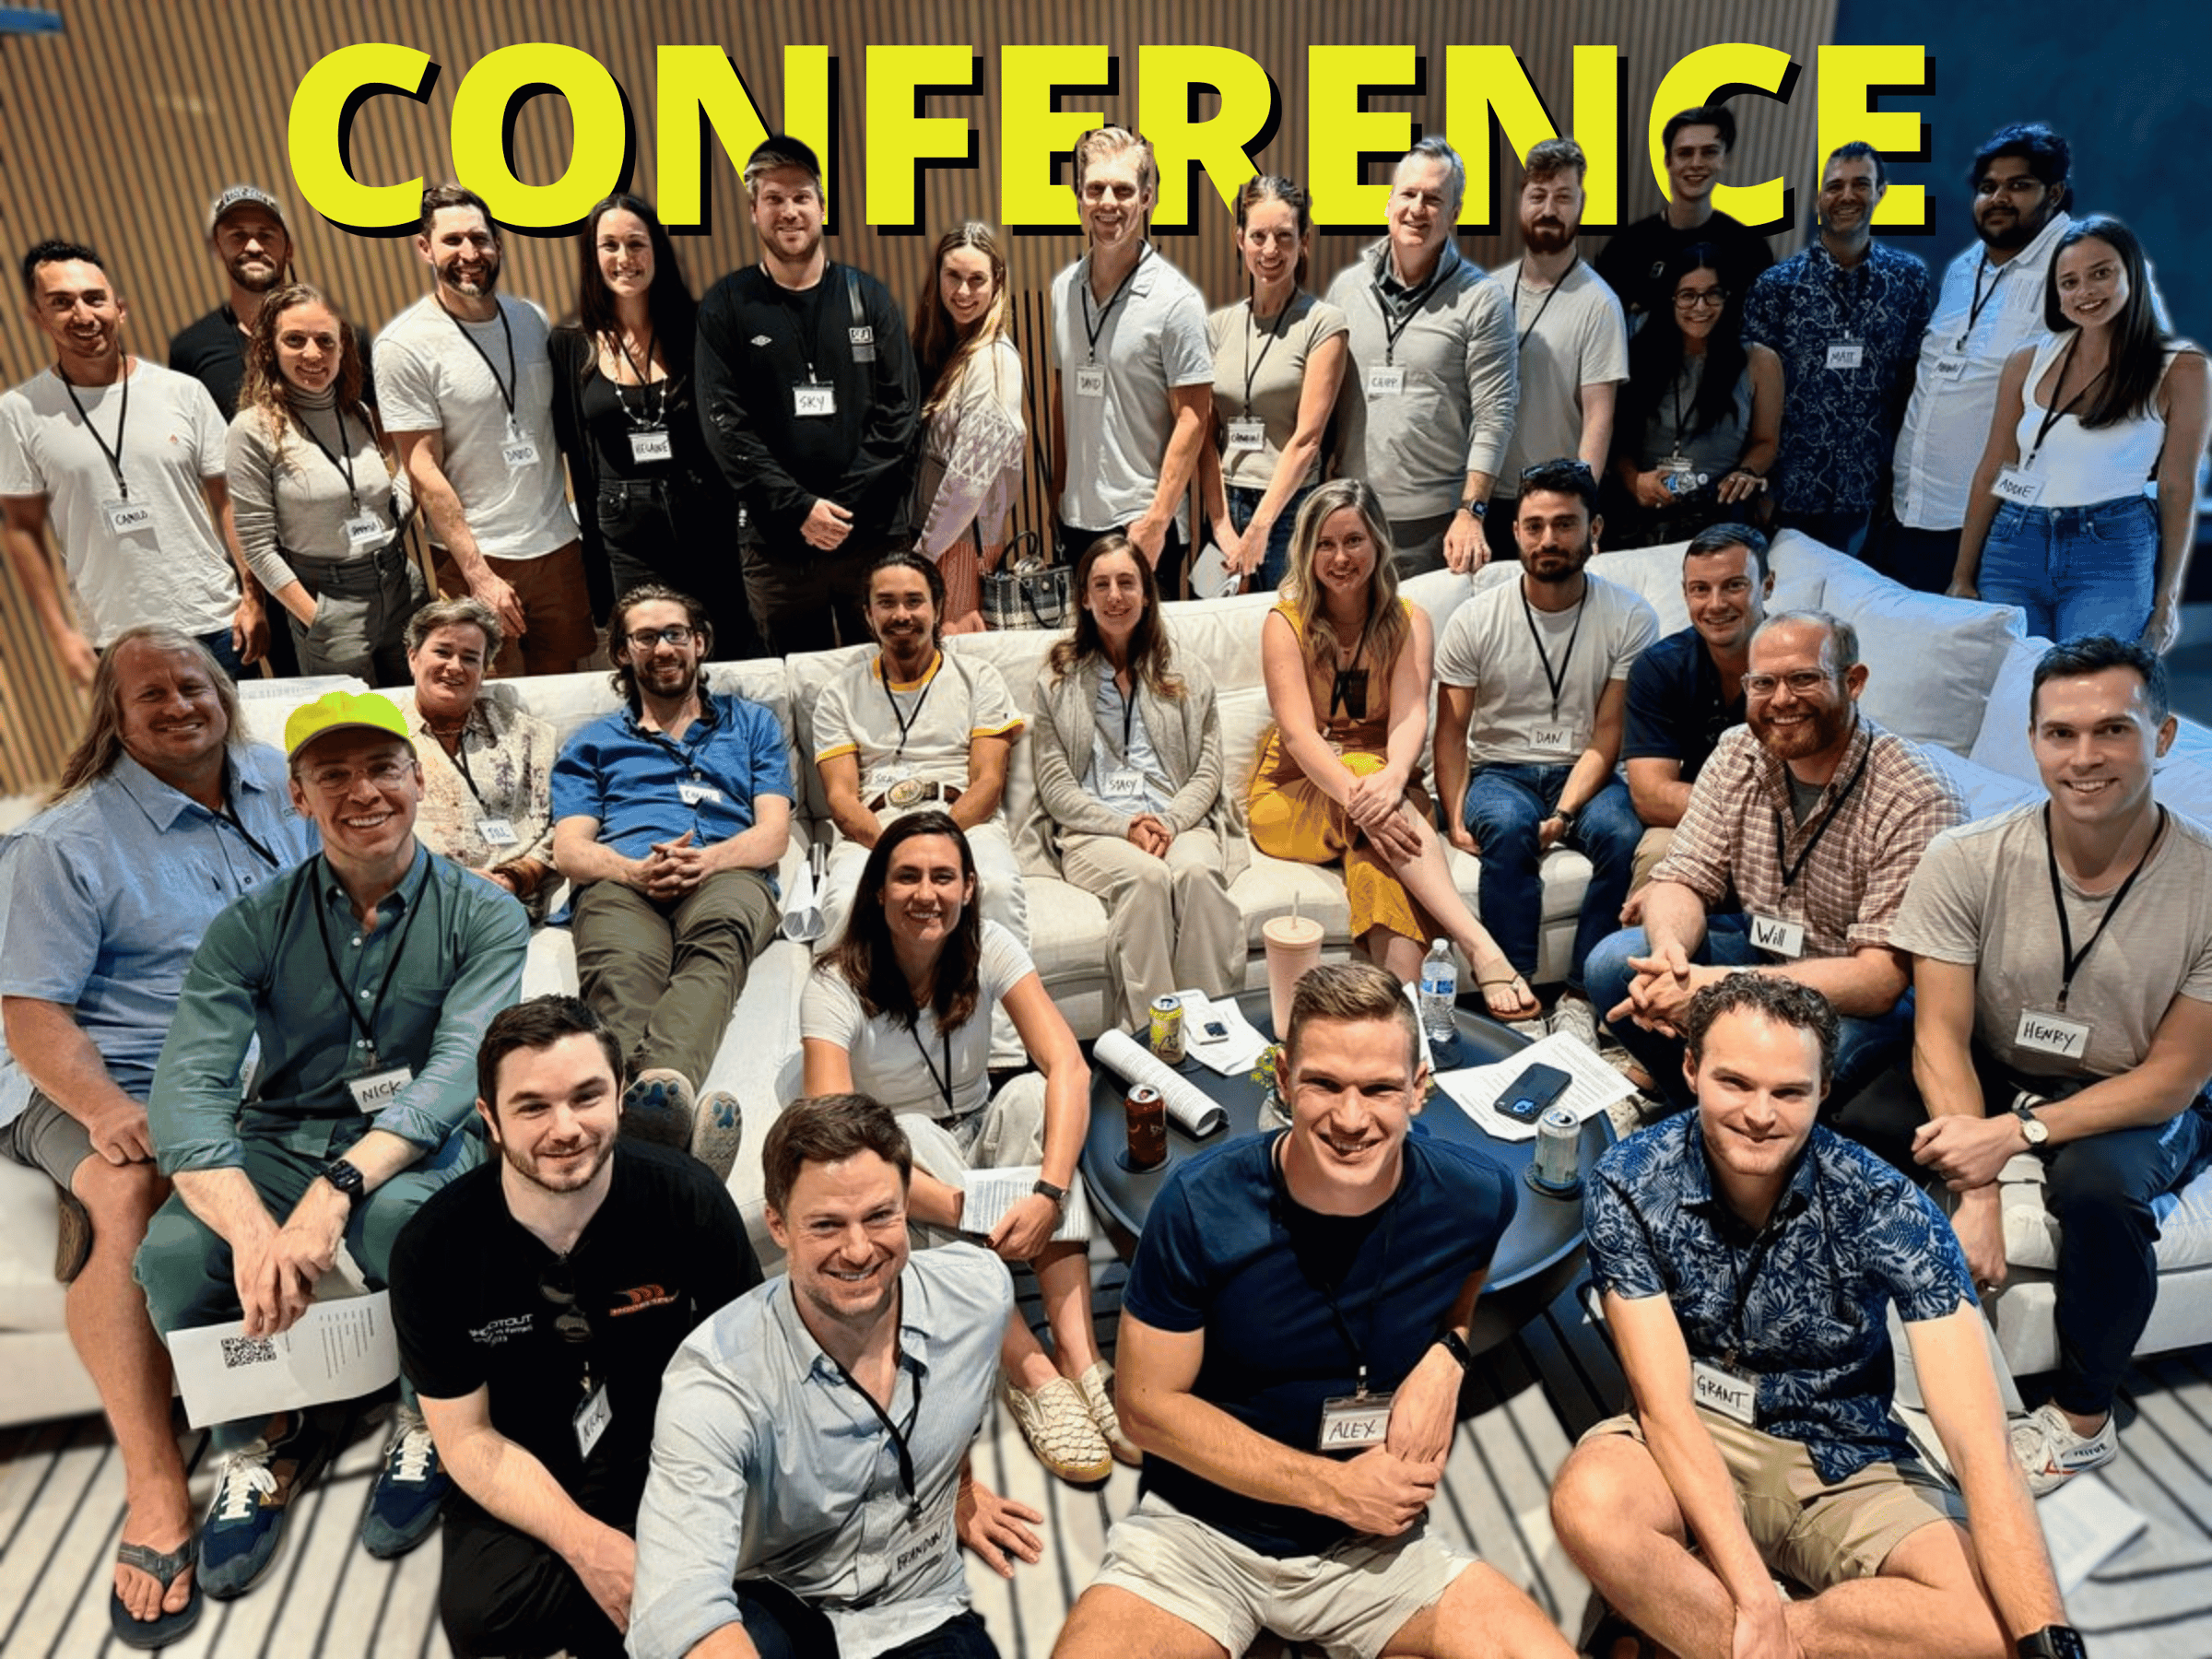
367	976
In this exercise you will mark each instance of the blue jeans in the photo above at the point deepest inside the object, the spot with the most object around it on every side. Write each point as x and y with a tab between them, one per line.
1505	805
2075	570
218	644
1242	504
1865	1048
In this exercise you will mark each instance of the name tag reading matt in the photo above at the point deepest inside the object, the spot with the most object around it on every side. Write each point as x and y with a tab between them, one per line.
2051	1034
1090	383
693	795
497	831
650	446
126	518
1949	370
592	1419
1386	383
1846	354
810	402
365	529
1785	938
2018	486
1247	434
378	1090
1725	1392
519	452
1350	1422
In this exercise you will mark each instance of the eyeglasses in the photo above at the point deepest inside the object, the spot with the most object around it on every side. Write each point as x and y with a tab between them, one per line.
1701	300
1802	682
570	1322
645	638
334	779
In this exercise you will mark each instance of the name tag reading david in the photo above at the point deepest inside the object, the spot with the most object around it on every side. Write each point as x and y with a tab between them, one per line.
518	452
1725	1392
592	1419
378	1090
2051	1034
497	831
1846	354
1247	434
361	531
1386	383
1785	938
810	402
1350	1422
692	795
650	446
1090	383
126	518
2018	486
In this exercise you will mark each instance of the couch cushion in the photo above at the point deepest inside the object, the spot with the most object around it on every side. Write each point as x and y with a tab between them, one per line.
1986	791
2032	1233
1931	659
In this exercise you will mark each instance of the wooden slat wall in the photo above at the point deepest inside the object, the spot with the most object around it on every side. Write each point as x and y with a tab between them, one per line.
119	130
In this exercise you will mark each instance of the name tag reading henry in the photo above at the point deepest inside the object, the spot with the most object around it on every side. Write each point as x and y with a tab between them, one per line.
2051	1034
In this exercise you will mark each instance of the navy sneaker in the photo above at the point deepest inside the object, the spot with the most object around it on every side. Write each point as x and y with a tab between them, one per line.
256	1485
410	1486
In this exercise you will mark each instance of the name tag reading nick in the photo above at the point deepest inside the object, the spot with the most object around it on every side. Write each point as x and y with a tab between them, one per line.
519	452
1846	354
1090	383
592	1420
363	530
1386	383
692	795
497	831
2051	1034
1247	434
650	446
1785	938
2018	486
1950	369
126	518
1723	1391
1350	1422
811	403
378	1090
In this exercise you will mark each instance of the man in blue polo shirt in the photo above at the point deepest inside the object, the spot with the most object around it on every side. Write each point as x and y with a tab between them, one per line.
669	815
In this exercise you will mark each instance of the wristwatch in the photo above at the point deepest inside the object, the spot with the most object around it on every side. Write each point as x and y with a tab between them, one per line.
2034	1129
1475	506
1045	1189
2052	1641
1565	815
1454	1344
346	1177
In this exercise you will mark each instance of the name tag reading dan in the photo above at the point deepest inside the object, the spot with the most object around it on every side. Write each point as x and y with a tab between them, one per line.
1725	1392
2051	1034
497	831
650	446
1350	1422
692	795
365	529
811	403
1386	383
2018	486
1090	383
1246	435
1846	354
519	452
592	1419
126	518
1557	737
1783	937
377	1090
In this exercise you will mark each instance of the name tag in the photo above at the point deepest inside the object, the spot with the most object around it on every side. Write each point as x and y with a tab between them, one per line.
1247	434
2051	1034
367	529
1386	383
810	402
1783	938
1350	1422
1090	383
1725	1392
497	831
126	518
650	446
877	780
1846	354
1949	369
592	1419
377	1090
2018	486
1125	782
693	795
1557	737
519	452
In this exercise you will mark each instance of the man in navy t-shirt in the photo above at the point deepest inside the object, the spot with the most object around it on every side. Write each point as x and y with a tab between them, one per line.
1292	1345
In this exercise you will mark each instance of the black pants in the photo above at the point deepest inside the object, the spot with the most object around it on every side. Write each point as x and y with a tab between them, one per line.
804	599
656	531
503	1594
784	1627
1074	542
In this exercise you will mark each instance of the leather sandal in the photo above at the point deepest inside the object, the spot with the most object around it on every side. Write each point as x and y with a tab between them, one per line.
163	1569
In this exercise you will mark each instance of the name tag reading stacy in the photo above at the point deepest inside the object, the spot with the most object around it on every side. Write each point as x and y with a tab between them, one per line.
2051	1034
650	446
378	1090
1725	1392
1783	938
1386	383
1351	1422
126	518
592	1420
2018	486
810	402
1124	783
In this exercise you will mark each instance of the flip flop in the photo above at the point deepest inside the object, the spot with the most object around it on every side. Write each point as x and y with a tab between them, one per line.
149	1633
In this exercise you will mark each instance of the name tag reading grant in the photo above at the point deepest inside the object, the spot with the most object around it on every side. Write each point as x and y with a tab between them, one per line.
693	794
1783	938
2018	486
1090	383
1725	1392
2051	1034
1846	354
518	452
1386	383
378	1090
1950	369
1350	1422
810	402
497	831
126	518
1247	434
365	530
592	1419
650	446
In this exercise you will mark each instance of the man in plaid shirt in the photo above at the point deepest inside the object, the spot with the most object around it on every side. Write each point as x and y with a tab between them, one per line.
1809	819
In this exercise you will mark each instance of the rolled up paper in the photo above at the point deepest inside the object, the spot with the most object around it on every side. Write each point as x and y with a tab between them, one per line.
1194	1115
801	909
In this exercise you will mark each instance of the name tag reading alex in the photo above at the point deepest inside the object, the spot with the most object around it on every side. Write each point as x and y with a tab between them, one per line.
2051	1034
809	403
692	795
362	531
1090	383
1950	369
497	831
2018	486
126	518
650	446
592	1419
1247	434
1725	1392
1846	354
378	1090
1386	383
1785	938
1350	1422
519	452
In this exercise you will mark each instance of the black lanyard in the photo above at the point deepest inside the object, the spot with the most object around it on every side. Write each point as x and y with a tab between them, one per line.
228	814
1095	329
1790	872
344	449
898	1434
1413	299
1128	711
1549	295
1349	693
506	387
1556	681
2070	959
460	760
122	417
1353	1346
2051	416
1843	280
942	1079
1745	1278
906	720
1973	315
685	754
1680	375
1251	369
639	418
366	1025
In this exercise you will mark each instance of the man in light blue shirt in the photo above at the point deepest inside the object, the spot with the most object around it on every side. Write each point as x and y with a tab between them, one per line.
165	815
811	1486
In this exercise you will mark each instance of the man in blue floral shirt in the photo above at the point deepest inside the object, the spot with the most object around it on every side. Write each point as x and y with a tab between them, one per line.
1747	1260
1846	316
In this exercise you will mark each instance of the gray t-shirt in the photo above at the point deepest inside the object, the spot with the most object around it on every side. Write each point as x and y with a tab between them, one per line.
1490	646
1982	899
429	379
1571	335
169	566
1260	368
293	501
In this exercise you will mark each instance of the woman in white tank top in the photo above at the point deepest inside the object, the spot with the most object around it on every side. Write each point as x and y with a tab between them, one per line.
2059	522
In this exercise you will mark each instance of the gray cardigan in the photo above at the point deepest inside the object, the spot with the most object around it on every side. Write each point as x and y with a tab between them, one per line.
1185	732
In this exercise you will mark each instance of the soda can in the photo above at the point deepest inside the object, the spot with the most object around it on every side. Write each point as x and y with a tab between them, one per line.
1147	1128
1557	1167
1166	1029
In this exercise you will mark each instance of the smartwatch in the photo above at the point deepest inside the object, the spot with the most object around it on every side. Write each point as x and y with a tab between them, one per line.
1454	1344
2052	1641
1475	506
1045	1189
346	1177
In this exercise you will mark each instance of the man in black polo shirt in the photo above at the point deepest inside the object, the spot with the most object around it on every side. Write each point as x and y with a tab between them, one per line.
1688	688
588	1262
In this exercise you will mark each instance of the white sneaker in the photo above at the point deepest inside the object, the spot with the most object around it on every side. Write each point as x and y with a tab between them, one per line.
1573	1016
2052	1454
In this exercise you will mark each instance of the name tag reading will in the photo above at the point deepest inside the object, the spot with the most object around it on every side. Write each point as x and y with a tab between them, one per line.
692	795
126	518
1950	369
2018	486
650	446
1090	383
519	452
2051	1034
377	1090
497	831
1846	354
811	403
1247	434
1386	383
1783	938
1725	1392
592	1419
1350	1422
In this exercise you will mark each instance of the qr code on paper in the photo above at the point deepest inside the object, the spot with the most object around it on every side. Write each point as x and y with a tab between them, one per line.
247	1350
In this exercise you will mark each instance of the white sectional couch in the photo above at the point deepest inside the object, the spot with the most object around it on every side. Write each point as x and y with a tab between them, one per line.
1949	672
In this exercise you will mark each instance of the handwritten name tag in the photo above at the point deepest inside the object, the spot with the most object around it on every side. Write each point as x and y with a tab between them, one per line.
1783	937
2051	1034
377	1090
1725	1392
1351	1421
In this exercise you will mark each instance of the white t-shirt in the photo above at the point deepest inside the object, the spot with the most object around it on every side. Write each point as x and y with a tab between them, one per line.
959	700
1571	335
893	1064
429	379
1490	645
170	569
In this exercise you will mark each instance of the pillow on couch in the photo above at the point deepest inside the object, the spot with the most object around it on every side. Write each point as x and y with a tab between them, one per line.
1931	661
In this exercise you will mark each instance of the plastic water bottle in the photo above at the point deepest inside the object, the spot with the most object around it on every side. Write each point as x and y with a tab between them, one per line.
1440	998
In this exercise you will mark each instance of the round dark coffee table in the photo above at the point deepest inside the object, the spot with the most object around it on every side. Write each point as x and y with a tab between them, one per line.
1536	1259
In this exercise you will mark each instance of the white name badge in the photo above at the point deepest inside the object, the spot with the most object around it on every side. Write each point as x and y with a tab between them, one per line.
518	452
1386	383
810	402
1725	1392
1125	781
364	529
2018	486
1556	737
1783	938
1090	383
1846	354
2051	1034
1349	1422
592	1419
1949	369
497	831
378	1090
1247	434
693	795
650	446
126	518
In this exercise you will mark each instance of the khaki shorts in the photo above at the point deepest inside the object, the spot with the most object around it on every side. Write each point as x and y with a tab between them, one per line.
1348	1603
43	1136
1005	1132
1806	1529
557	609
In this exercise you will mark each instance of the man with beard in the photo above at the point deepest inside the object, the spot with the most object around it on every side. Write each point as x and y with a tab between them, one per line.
669	815
1814	817
1697	143
590	1259
810	400
810	1483
1574	343
1531	688
465	388
1846	316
